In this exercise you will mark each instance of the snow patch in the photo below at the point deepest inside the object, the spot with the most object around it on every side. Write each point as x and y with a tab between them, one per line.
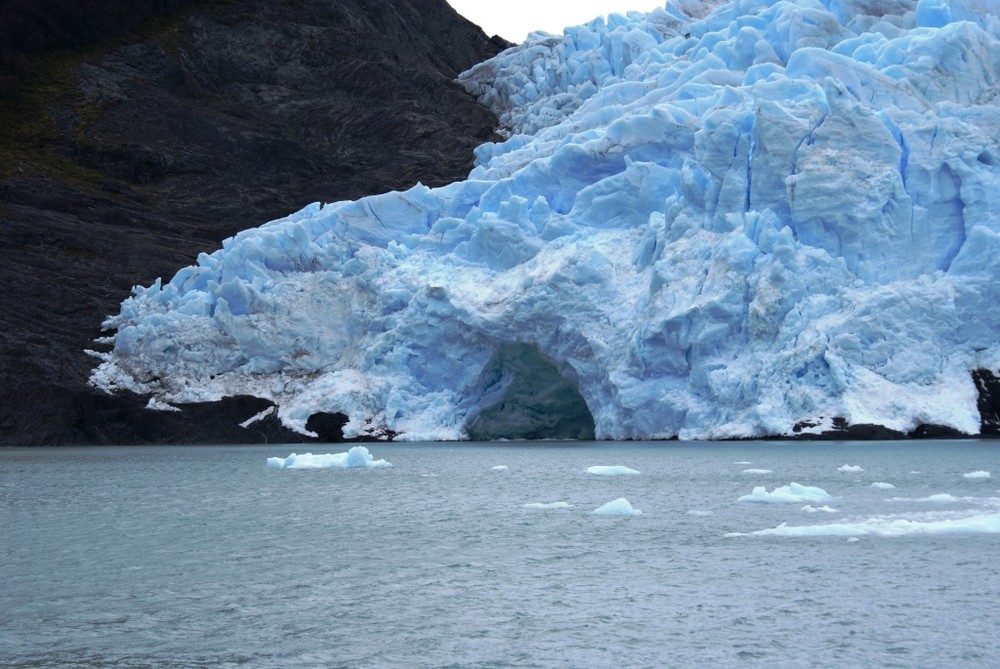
258	417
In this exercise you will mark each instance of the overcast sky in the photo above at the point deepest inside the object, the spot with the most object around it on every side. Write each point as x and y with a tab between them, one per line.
514	19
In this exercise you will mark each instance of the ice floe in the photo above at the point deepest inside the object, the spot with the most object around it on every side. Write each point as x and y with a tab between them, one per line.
786	494
617	507
548	505
357	457
611	470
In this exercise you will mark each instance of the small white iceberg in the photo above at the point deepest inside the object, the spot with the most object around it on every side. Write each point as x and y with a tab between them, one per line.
617	507
548	505
357	457
809	508
882	485
500	468
757	471
940	498
974	476
701	513
849	468
611	470
792	493
890	526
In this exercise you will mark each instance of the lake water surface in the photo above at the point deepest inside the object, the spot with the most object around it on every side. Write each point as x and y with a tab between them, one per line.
206	557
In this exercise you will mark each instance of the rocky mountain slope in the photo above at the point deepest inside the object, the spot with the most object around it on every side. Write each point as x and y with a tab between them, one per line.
123	157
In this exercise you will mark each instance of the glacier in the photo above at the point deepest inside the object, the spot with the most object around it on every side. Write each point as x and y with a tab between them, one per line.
712	220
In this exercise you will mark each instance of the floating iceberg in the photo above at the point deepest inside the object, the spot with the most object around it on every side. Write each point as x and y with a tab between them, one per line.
358	456
882	485
500	468
787	494
618	507
714	220
940	498
548	505
612	470
757	471
809	508
849	468
979	475
891	527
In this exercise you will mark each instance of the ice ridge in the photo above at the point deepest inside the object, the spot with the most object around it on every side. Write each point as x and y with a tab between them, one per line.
714	220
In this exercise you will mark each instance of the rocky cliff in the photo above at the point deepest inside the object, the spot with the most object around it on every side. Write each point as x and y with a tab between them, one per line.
125	155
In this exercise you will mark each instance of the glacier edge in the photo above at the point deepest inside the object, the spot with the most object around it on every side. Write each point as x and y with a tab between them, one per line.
701	226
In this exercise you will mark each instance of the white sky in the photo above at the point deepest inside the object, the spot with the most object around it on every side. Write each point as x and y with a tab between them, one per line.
514	19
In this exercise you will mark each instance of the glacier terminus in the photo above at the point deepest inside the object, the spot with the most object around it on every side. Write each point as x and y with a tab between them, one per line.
712	220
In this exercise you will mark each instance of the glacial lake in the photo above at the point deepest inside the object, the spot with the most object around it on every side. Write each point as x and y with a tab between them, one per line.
159	557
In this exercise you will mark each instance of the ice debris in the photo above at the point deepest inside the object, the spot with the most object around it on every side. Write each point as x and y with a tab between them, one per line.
617	507
791	493
548	505
612	470
988	523
358	456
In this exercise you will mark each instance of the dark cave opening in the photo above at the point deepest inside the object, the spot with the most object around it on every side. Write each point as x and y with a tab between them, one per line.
525	397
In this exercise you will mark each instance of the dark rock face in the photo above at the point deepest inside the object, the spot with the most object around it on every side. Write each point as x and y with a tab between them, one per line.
989	402
121	165
842	430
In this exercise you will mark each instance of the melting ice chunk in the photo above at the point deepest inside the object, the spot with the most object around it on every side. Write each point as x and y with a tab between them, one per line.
791	493
809	508
617	507
358	457
611	470
892	527
548	505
